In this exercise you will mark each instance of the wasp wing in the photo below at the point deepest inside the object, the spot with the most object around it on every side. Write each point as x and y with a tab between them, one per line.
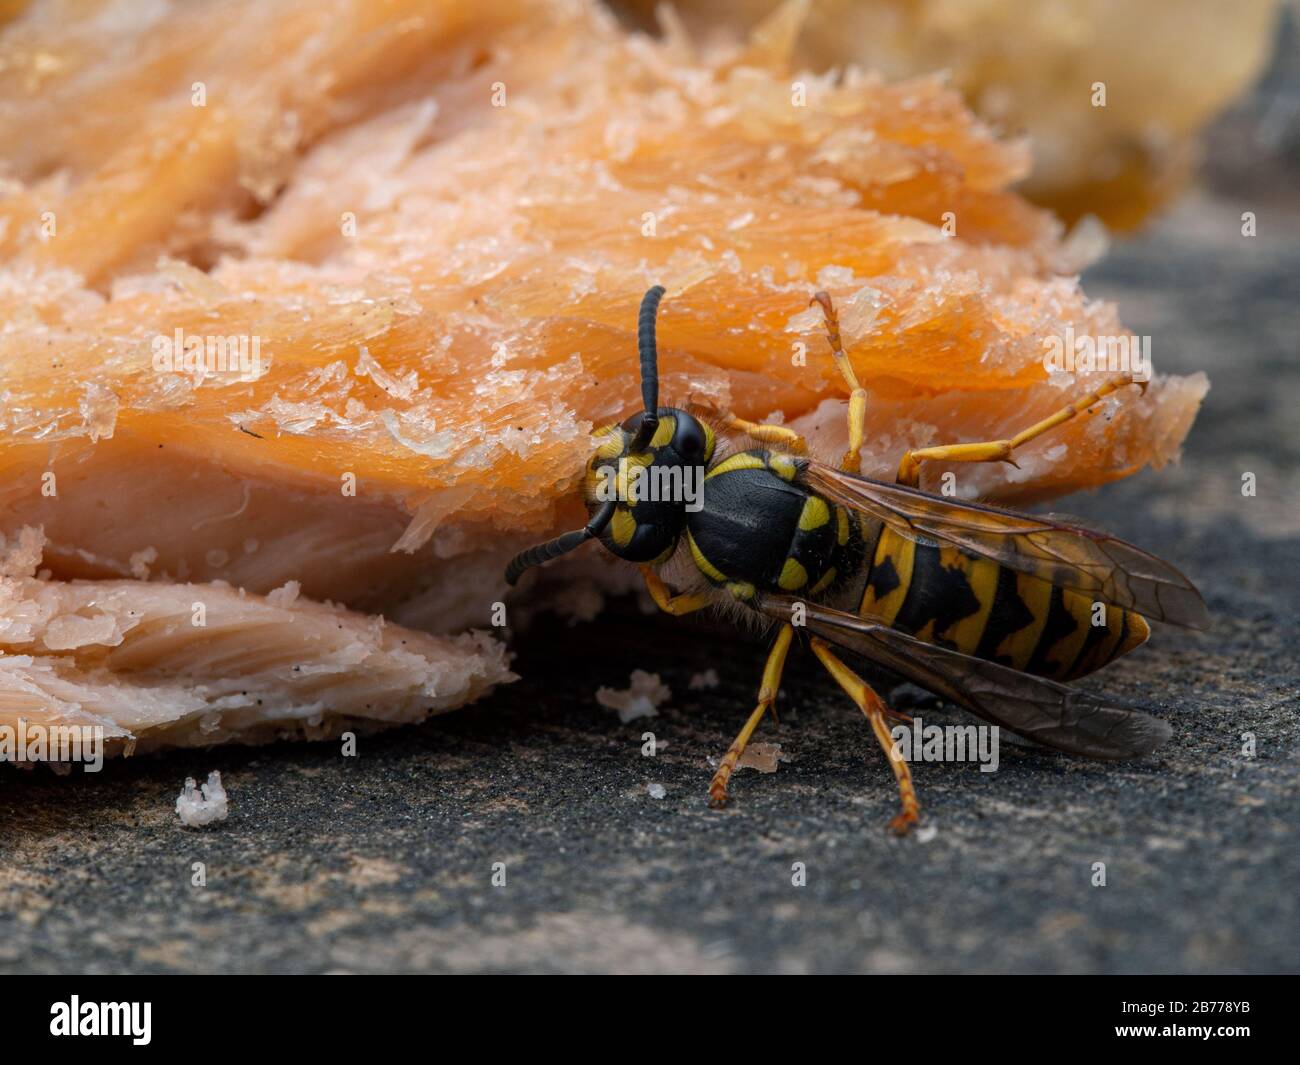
1068	555
1055	715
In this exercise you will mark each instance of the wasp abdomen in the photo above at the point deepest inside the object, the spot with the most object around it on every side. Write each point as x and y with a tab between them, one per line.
979	607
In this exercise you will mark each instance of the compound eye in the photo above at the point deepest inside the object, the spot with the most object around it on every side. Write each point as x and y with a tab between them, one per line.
689	441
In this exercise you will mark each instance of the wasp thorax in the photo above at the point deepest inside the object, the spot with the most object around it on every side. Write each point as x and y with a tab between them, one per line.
653	487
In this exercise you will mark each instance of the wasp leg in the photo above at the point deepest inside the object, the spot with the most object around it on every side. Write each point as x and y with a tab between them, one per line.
909	470
766	698
781	435
873	706
852	460
677	605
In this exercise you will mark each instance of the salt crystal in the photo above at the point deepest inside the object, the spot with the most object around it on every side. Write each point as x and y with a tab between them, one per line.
397	387
858	313
20	552
641	699
656	791
140	562
197	810
203	286
285	596
70	631
98	406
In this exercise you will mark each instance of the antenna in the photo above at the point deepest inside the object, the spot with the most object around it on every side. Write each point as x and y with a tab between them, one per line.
561	545
648	349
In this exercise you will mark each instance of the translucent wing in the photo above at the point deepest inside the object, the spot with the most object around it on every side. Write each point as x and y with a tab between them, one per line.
1068	555
1041	710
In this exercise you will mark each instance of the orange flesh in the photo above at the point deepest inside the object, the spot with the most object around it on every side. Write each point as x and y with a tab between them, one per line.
453	355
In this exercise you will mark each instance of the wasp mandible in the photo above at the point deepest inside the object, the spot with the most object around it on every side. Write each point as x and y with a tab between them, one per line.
989	608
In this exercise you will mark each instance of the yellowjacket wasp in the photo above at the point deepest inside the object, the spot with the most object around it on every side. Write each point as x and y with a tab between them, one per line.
988	608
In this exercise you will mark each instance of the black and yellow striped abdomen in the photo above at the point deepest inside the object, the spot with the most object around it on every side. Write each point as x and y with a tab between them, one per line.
945	596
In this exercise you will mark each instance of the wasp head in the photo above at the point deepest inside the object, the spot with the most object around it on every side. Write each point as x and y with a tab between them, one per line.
654	483
646	476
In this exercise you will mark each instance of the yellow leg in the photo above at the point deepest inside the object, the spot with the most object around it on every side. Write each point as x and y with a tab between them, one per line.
677	605
873	706
779	435
766	698
909	470
852	460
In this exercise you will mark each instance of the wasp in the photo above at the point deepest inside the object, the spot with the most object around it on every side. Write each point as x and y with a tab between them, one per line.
986	607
